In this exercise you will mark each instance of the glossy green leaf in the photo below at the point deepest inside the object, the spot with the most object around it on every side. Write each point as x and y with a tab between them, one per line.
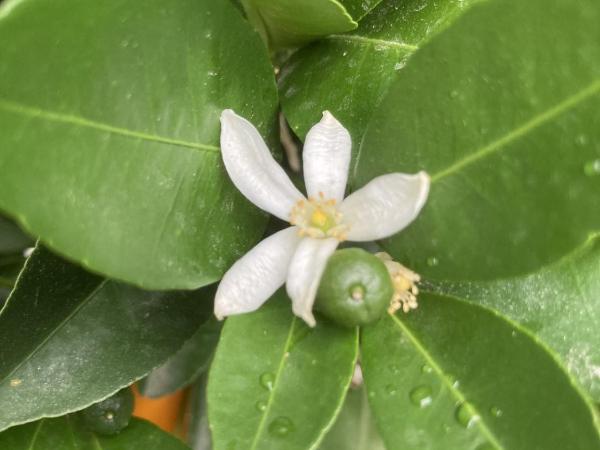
354	428
560	304
288	23
454	375
349	74
185	366
12	239
275	383
66	433
359	8
508	134
109	132
70	338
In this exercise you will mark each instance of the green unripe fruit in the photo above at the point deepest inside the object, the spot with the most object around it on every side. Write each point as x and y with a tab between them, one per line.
355	289
111	415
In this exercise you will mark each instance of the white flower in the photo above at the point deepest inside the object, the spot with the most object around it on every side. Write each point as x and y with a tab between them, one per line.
297	255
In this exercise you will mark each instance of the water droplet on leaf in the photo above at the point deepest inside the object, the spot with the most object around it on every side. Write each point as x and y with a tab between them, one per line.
421	396
495	411
267	380
426	369
390	389
281	426
261	405
592	168
432	261
465	415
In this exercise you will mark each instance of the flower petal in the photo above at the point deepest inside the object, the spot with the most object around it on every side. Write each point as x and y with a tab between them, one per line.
326	158
305	272
384	206
257	275
252	168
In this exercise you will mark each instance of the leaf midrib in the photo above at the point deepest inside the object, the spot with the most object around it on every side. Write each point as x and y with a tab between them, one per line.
55	330
535	122
457	394
78	121
286	348
372	41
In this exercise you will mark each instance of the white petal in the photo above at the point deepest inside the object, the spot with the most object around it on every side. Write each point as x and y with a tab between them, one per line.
257	275
252	168
385	205
305	272
326	158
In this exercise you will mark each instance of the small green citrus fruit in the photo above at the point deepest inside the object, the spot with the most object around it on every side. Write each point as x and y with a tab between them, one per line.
355	289
110	415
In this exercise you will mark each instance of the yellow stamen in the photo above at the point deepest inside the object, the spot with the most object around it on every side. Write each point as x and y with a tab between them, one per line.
404	281
318	218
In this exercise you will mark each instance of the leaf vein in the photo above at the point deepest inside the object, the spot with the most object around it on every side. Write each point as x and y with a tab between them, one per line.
459	396
35	435
52	116
371	41
515	134
286	348
55	330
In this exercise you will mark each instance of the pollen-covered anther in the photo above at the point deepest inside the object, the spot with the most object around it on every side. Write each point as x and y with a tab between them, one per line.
318	218
405	283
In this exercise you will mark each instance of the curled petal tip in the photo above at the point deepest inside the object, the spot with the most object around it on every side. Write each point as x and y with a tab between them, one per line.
220	317
309	319
328	118
226	113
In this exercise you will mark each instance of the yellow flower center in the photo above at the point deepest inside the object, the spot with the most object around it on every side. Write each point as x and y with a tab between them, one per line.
318	218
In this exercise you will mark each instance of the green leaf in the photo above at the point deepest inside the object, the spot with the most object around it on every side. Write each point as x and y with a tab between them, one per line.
349	74
508	134
454	375
560	304
109	133
185	366
12	239
285	381
354	428
70	338
289	23
359	8
65	433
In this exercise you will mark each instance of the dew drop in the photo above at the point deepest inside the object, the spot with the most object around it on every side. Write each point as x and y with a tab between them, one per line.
465	415
421	396
432	261
281	426
426	369
390	389
592	168
496	412
260	405
581	139
394	368
267	380
453	94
